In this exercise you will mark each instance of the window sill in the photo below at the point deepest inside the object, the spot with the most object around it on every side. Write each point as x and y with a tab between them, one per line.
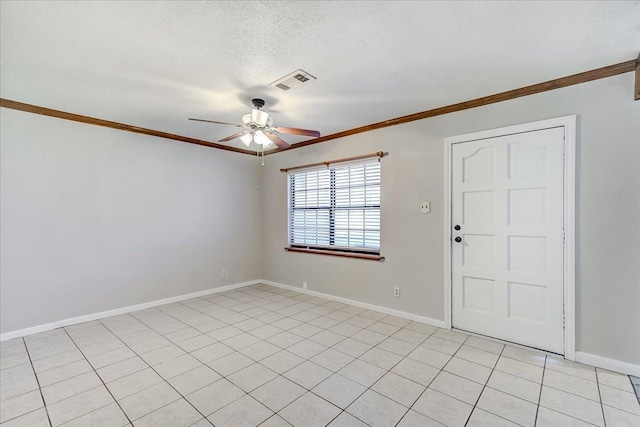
336	253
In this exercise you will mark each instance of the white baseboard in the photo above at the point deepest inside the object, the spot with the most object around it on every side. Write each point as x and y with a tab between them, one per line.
94	316
587	358
610	364
397	313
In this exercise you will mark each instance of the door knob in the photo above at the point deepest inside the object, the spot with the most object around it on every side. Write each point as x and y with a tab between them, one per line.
457	227
458	239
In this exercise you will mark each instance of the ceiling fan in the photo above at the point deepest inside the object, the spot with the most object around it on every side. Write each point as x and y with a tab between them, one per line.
259	128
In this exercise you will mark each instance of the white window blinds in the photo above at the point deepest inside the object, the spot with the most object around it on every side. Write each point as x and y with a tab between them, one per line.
336	207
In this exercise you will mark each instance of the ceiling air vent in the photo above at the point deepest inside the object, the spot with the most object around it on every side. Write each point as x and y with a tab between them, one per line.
292	80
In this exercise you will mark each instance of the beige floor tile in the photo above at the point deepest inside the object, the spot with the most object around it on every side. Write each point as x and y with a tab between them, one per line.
16	381
327	338
410	336
107	416
306	348
508	407
194	379
195	343
346	420
485	344
339	390
178	413
548	418
121	369
278	393
469	370
205	345
523	355
384	328
475	355
381	358
67	388
353	348
160	355
457	387
148	400
244	412
20	405
618	418
416	419
454	336
416	371
14	360
282	361
480	418
309	411
285	339
173	367
209	399
37	418
57	360
614	379
63	372
109	358
332	359
442	408
397	346
398	388
572	405
243	340
343	329
377	410
520	369
515	386
571	384
369	337
231	363
430	357
572	368
308	374
362	372
78	405
616	398
260	350
252	377
133	383
441	345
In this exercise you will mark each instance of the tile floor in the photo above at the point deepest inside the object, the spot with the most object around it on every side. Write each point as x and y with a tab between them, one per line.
265	356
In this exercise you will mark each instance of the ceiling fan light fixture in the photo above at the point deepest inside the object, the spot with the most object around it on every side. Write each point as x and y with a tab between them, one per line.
261	139
259	117
246	139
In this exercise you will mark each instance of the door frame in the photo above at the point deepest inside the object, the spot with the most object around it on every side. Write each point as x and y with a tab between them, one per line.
569	187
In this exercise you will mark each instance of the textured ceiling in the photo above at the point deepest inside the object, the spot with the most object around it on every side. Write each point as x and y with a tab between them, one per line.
154	64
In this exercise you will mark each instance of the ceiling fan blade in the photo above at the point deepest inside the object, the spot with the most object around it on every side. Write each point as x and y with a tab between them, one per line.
296	131
219	123
234	136
277	140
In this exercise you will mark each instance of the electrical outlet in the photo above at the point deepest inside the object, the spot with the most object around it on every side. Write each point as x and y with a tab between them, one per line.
304	285
396	292
223	273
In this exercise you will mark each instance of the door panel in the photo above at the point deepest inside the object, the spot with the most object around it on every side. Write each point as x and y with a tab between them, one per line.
507	269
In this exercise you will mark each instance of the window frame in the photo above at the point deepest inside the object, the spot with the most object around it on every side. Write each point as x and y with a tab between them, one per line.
332	249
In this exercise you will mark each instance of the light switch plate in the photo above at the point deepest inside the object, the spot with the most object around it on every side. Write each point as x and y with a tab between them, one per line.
425	206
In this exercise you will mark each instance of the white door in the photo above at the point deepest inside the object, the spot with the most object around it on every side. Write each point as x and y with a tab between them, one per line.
507	255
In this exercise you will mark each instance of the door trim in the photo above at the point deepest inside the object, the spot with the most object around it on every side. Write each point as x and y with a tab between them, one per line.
569	125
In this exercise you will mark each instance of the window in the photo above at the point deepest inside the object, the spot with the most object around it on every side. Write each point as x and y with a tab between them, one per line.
336	207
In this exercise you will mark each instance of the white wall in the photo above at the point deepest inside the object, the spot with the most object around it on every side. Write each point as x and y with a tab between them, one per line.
94	219
608	212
